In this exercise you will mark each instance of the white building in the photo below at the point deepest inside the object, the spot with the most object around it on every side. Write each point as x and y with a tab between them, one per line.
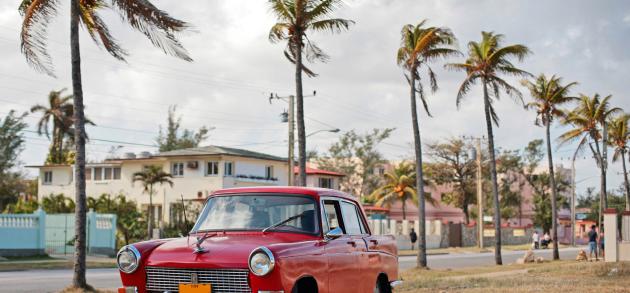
196	172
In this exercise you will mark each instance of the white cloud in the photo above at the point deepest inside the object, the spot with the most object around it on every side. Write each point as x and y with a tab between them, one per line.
626	19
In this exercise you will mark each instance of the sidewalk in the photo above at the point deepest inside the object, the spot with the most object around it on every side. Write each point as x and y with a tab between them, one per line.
477	250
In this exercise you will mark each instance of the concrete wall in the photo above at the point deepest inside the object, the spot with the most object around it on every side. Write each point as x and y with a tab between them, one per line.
22	235
509	235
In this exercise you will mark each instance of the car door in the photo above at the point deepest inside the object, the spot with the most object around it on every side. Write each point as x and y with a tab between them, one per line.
341	253
356	229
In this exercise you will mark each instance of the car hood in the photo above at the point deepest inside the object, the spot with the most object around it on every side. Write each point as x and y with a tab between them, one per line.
229	250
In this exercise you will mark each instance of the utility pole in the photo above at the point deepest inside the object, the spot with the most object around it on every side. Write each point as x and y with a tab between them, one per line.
291	139
291	120
573	202
479	193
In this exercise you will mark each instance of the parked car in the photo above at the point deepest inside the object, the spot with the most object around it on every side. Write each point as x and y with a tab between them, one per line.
267	239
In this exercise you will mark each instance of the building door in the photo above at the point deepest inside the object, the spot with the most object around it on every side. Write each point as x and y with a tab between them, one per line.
455	235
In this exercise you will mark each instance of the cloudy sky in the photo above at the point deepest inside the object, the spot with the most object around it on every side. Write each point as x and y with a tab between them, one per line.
235	69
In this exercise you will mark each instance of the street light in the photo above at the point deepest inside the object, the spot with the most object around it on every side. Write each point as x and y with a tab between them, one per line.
336	130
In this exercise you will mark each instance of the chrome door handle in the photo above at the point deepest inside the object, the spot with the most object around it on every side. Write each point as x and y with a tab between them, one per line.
352	243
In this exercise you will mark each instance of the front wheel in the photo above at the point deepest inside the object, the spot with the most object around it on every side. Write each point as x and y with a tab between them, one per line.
382	286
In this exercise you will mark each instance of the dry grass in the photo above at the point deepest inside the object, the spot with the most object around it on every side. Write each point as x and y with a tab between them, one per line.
77	290
561	276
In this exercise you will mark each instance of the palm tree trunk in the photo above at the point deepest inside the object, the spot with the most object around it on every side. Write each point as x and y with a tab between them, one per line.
554	196
78	279
404	209
422	241
493	172
150	213
625	178
602	186
604	162
300	111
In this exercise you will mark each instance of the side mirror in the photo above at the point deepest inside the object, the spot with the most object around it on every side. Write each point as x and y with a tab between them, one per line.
333	234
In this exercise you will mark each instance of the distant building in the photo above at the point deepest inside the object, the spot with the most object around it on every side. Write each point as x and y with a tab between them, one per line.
196	172
320	178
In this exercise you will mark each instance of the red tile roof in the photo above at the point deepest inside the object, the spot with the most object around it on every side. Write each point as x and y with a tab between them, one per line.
313	171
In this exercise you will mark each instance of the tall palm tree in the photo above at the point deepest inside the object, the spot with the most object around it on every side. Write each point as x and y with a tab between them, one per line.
399	185
150	176
419	46
57	110
589	121
155	24
296	18
487	61
548	94
618	136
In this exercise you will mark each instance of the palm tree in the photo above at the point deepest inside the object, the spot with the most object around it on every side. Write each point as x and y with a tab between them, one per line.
589	121
399	185
296	18
419	46
618	136
143	16
548	95
57	110
150	176
487	60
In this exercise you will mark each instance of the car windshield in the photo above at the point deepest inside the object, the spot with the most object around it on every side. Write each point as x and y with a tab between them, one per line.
257	212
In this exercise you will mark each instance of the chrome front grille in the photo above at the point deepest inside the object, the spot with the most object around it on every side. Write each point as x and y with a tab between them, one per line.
223	280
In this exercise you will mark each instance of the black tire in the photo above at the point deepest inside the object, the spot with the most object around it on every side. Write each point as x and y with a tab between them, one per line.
382	286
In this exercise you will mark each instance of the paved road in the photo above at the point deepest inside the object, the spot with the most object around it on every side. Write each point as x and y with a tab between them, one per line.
37	281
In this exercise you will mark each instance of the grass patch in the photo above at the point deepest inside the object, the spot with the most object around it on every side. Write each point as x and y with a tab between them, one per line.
50	265
550	276
29	258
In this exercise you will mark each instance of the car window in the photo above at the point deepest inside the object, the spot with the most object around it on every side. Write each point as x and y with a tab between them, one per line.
332	217
351	219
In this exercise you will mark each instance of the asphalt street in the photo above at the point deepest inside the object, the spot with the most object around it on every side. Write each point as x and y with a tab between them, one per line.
36	281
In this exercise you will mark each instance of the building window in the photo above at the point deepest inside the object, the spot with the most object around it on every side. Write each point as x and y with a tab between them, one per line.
98	174
268	172
48	177
177	169
108	173
228	169
88	174
117	172
381	171
212	168
326	182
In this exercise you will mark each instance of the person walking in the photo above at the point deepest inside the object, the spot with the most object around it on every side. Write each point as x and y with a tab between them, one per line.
546	240
602	252
536	240
592	243
413	237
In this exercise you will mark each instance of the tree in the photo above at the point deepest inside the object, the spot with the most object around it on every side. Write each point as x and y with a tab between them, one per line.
399	185
618	136
453	166
12	182
58	108
589	122
295	19
130	223
58	204
172	140
487	61
548	95
355	156
419	46
143	16
150	176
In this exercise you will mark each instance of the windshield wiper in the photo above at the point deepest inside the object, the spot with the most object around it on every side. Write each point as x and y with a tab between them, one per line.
284	221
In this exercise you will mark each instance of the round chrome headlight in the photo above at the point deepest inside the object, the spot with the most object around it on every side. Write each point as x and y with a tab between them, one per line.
128	259
261	261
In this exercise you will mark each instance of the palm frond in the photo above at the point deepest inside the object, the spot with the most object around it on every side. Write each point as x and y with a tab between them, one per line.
159	27
37	15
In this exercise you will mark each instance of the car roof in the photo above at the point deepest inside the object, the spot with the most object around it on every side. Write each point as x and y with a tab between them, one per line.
312	191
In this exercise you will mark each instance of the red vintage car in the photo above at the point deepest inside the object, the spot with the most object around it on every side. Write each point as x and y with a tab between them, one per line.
267	239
